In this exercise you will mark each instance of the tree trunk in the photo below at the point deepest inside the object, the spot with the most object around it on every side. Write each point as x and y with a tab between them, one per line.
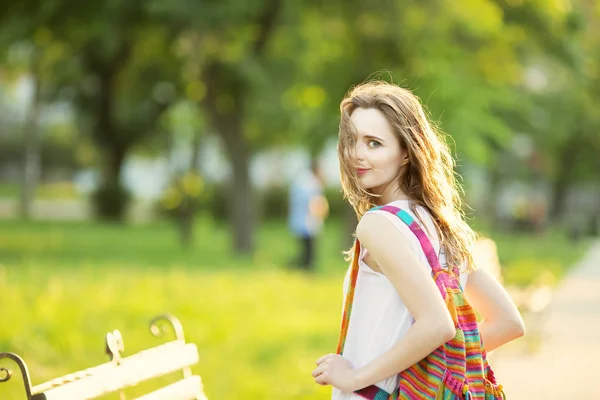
32	148
111	199
187	213
227	121
196	145
241	200
560	188
242	210
185	222
115	155
222	81
494	188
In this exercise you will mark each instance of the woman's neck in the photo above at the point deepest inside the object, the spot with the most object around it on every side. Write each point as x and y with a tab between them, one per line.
390	194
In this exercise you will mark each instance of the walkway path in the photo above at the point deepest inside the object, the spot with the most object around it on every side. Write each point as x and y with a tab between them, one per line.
567	363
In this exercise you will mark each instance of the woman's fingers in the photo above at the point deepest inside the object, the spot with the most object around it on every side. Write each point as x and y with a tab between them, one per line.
322	379
321	373
319	370
325	357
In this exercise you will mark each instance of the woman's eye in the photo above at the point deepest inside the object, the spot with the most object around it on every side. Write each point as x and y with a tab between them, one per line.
374	143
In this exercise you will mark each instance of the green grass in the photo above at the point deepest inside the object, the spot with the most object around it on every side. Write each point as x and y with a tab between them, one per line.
259	327
75	243
9	190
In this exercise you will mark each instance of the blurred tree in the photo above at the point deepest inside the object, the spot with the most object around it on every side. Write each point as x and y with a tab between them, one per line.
186	192
458	58
128	80
561	79
117	68
570	106
224	51
31	136
25	60
269	73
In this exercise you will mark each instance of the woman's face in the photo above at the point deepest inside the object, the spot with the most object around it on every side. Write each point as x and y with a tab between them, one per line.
377	152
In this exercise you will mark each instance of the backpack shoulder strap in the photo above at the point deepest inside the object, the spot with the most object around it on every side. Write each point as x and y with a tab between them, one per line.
349	299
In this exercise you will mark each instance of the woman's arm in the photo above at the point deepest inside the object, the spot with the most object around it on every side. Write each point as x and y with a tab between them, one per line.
502	321
433	325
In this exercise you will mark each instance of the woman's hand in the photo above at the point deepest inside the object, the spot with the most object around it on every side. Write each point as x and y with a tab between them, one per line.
335	370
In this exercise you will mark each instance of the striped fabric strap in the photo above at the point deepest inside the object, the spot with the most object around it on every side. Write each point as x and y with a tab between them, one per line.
371	392
349	299
374	393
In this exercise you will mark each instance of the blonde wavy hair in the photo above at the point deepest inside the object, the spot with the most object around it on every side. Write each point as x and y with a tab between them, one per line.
429	180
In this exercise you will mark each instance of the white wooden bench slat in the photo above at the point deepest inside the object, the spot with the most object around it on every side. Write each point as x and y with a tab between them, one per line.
190	388
98	370
134	369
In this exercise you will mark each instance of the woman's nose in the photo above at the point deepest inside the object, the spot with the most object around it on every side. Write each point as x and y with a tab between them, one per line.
359	152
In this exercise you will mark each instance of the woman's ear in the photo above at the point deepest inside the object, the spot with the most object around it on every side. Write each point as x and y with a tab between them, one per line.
404	155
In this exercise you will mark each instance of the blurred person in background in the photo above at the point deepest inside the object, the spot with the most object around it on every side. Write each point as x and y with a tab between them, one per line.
394	316
308	208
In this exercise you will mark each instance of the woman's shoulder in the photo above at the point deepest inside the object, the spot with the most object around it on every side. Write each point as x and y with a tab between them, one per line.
418	213
381	227
375	218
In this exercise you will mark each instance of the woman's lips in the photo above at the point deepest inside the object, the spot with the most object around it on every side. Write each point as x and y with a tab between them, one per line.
362	171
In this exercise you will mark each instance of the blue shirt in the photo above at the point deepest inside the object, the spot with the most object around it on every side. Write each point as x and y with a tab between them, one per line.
302	191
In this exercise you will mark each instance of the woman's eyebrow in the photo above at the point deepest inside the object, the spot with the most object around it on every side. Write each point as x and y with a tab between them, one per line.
374	138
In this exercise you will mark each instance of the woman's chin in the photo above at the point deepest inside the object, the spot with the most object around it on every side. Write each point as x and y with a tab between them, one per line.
363	183
368	184
368	187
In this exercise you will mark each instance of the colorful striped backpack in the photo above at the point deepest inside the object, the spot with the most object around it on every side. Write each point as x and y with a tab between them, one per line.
456	370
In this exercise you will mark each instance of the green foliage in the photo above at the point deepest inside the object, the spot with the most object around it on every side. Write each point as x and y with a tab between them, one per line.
212	200
272	73
274	203
115	62
185	193
54	154
110	201
218	196
337	205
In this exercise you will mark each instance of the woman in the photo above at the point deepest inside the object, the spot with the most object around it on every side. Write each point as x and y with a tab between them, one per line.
391	155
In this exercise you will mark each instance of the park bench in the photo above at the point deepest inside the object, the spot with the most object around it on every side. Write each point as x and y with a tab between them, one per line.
124	372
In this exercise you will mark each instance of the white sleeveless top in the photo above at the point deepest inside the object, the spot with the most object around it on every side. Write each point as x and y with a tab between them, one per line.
379	318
